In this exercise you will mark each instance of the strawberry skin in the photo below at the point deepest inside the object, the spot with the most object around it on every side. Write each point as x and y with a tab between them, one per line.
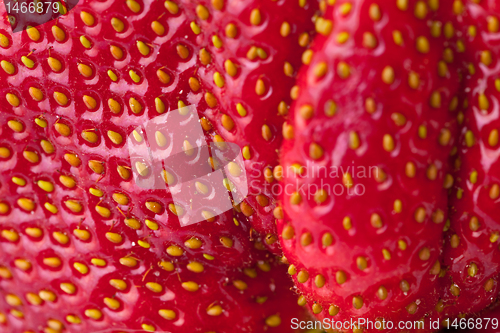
471	244
72	215
256	57
378	96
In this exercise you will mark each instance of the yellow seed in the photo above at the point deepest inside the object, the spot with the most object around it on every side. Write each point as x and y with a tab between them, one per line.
58	33
115	137
73	205
31	156
195	267
493	24
85	42
420	215
423	45
458	7
397	37
255	17
493	138
134	6
143	48
483	102
273	321
386	254
388	143
27	62
85	70
369	40
420	10
494	191
13	300
424	254
135	77
13	100
53	262
80	267
87	18
33	232
175	251
158	28
94	313
98	262
343	70
72	159
33	33
167	314
26	204
90	136
7	67
60	237
10	235
15	125
190	286
285	29
323	26
388	75
402	4
154	287
134	105
303	276
33	299
374	12
128	261
172	7
81	234
111	303
469	138
114	237
22	264
202	12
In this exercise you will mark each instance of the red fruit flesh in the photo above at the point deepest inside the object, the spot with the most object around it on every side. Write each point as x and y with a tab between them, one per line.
379	98
471	244
67	192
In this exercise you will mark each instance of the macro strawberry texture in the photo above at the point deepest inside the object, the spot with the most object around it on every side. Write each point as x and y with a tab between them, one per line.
369	135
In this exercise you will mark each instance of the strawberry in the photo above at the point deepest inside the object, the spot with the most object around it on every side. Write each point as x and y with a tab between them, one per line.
366	164
170	297
471	244
79	197
256	57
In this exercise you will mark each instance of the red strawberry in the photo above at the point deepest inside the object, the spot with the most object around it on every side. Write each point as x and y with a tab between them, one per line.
366	172
471	247
256	55
74	90
173	298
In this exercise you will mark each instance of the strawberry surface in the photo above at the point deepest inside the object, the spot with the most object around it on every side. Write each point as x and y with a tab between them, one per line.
471	244
256	57
76	202
367	170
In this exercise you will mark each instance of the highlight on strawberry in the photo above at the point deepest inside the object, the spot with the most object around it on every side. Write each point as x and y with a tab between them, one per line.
249	166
